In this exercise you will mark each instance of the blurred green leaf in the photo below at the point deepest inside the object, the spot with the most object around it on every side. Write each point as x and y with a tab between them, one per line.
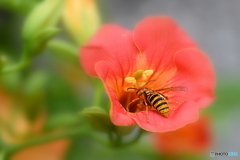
227	98
84	148
35	84
98	119
19	6
33	93
63	120
60	97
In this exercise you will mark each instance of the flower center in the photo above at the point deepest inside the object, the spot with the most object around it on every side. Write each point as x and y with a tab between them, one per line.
139	79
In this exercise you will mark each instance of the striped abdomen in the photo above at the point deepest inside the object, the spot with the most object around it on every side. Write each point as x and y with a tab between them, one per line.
159	102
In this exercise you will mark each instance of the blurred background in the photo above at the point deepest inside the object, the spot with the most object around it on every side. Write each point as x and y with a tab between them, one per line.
42	94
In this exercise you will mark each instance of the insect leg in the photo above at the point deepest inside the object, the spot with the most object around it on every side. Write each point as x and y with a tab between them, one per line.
127	108
146	105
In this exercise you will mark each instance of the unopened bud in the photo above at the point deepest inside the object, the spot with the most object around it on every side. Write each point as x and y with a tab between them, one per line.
81	19
40	25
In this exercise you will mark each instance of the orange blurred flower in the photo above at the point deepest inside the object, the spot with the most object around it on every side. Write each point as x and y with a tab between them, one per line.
193	138
5	105
48	151
15	128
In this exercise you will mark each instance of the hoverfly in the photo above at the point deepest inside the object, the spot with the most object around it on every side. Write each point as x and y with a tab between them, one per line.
153	99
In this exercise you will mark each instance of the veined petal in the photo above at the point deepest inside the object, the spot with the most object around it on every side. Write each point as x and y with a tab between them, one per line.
186	113
113	45
159	38
118	114
195	71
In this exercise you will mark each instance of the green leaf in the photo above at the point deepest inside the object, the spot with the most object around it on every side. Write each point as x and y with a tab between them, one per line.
98	119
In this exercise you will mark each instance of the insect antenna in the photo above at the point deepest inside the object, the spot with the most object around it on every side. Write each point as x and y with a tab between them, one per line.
132	88
148	82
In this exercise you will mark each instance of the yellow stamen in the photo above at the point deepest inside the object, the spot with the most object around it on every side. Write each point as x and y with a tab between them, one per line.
133	83
146	74
130	80
140	84
138	74
139	79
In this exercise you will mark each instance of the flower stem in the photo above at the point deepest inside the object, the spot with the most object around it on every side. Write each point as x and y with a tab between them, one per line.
64	49
139	134
118	141
15	67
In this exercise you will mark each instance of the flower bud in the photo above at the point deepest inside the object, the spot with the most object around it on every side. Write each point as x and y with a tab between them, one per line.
40	25
39	40
81	19
98	118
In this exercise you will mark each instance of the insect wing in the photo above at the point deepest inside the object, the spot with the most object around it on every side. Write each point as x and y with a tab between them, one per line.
172	89
174	95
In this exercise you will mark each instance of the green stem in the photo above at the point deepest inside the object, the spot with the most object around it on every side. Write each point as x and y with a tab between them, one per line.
98	139
23	63
64	49
140	132
119	142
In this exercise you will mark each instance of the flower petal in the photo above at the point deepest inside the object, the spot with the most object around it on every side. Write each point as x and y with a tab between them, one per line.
118	114
113	45
159	38
186	113
195	71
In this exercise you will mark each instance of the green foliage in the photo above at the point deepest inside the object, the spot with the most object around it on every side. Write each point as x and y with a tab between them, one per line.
50	91
18	6
98	119
227	98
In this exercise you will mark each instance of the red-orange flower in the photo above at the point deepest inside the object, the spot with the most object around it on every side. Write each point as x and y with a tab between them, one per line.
193	138
156	50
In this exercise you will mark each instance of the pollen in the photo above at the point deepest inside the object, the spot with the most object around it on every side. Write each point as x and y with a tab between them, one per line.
146	74
139	79
130	80
138	74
